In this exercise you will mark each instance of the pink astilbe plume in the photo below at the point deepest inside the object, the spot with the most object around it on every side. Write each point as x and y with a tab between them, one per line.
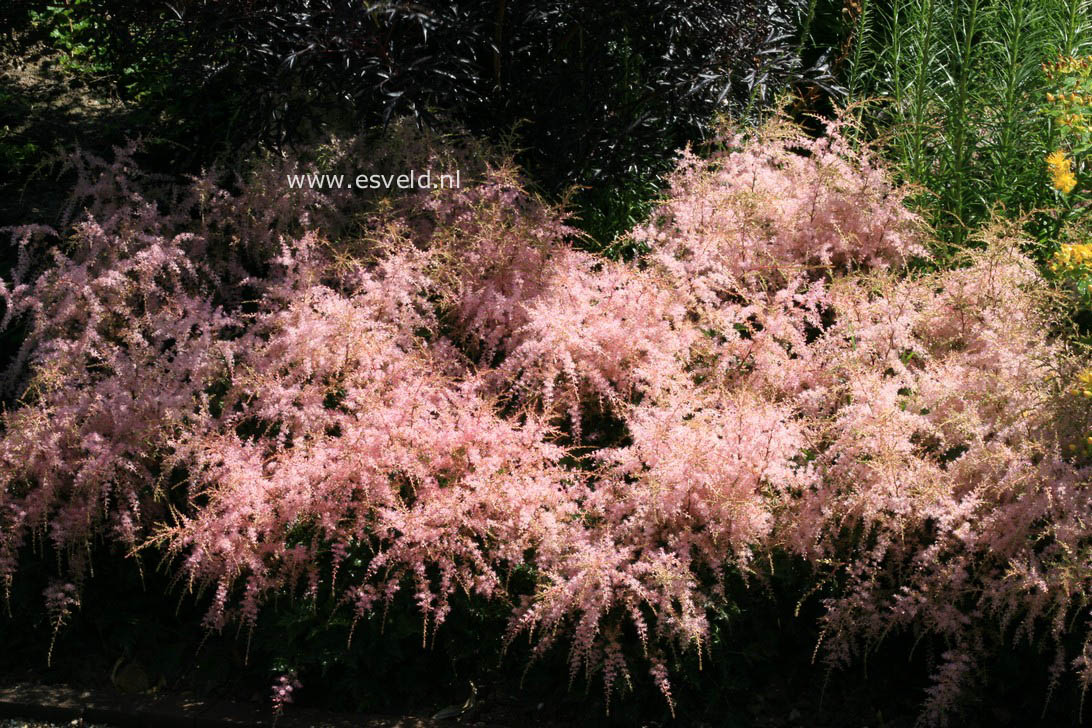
941	445
769	207
120	336
282	690
353	439
495	248
599	335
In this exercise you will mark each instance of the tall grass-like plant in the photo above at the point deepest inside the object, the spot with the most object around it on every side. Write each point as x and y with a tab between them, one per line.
960	81
860	49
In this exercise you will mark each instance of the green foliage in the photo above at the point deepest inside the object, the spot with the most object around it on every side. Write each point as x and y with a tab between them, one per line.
15	154
1069	237
133	51
607	212
951	86
75	32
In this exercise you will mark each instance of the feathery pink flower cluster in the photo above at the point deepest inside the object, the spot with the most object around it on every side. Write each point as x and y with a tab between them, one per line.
405	401
282	691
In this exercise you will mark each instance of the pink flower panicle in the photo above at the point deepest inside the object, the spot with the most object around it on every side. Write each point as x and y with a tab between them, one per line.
282	690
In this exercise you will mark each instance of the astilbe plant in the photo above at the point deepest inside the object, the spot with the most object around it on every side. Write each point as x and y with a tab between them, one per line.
122	335
941	449
767	208
599	336
446	392
339	432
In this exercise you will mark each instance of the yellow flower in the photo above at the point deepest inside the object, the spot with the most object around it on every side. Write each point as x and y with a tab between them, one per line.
1072	258
1061	172
1084	383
